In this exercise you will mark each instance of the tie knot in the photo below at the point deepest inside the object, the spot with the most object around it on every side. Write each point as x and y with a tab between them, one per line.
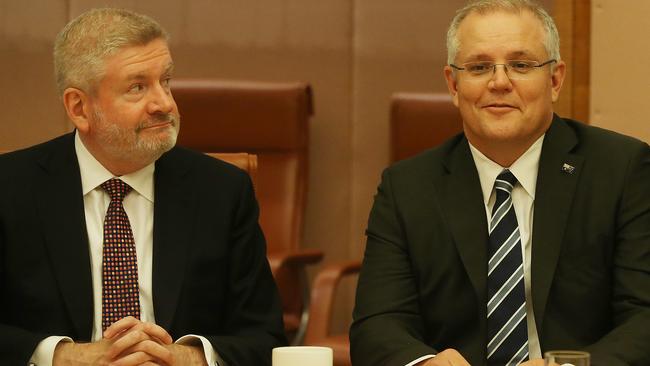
116	188
505	181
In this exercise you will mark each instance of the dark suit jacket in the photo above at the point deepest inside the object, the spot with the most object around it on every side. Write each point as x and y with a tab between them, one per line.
423	289
210	273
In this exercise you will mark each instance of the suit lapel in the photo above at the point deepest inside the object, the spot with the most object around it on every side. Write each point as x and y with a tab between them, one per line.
173	206
559	171
61	210
463	203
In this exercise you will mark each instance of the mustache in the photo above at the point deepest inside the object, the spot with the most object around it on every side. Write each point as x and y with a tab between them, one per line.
158	119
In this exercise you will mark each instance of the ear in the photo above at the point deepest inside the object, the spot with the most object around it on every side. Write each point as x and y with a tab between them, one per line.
557	79
77	105
452	84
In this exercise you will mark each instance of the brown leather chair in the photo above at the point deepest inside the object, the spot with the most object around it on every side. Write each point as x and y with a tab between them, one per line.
321	308
244	161
418	121
271	121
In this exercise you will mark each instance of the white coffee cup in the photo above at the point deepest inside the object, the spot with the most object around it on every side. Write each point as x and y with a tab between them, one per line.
302	356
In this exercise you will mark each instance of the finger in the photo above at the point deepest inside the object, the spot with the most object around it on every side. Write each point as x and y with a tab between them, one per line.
459	361
153	330
120	326
133	359
163	354
453	358
156	350
124	342
157	332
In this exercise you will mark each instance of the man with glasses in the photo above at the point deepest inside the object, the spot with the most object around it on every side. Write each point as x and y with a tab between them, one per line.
527	232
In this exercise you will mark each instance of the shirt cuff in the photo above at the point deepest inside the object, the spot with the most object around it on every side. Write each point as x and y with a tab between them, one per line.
416	361
211	356
44	352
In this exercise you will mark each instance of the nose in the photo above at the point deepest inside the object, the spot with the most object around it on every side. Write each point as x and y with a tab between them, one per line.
500	79
162	100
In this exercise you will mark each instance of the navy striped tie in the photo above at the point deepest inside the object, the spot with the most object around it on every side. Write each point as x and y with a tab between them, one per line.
506	308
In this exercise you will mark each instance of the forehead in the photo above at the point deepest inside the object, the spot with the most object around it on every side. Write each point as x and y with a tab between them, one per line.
501	34
142	59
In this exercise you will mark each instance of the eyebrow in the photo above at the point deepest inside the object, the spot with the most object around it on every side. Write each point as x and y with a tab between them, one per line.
510	56
520	53
169	69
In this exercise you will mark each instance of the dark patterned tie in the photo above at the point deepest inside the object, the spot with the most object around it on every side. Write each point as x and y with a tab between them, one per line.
120	296
506	308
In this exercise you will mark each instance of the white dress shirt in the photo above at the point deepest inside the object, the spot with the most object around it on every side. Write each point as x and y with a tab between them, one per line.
139	206
525	169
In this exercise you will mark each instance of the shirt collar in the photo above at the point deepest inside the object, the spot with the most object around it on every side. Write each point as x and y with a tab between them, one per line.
93	173
524	169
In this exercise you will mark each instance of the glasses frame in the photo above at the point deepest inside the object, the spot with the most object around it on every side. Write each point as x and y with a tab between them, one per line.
505	67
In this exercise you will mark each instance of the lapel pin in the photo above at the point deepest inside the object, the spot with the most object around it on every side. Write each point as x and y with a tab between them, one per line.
568	168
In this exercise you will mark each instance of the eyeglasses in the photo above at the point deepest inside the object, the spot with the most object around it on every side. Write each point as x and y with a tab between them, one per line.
515	69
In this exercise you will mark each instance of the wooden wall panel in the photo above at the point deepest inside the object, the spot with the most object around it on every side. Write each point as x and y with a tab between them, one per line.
29	108
573	19
620	75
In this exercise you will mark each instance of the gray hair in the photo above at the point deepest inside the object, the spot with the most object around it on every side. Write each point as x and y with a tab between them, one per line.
82	46
551	39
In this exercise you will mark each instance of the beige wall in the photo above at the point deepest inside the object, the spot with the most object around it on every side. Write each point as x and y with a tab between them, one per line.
620	78
29	109
396	48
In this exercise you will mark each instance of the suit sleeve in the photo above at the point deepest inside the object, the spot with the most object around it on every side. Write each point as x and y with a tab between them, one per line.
627	343
387	326
254	314
16	344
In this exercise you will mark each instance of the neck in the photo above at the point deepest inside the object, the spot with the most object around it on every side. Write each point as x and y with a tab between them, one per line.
117	165
503	153
120	168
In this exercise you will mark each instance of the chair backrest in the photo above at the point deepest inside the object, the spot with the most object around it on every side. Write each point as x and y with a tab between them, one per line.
267	119
244	161
419	121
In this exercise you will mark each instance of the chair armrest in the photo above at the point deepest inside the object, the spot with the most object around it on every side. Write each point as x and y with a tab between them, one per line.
287	267
322	298
280	260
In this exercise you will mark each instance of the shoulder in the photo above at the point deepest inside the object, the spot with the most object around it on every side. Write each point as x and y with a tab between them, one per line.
606	155
603	143
431	163
200	167
20	162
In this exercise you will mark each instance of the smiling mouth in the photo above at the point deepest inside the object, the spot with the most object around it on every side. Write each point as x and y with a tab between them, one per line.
499	105
498	108
157	125
161	121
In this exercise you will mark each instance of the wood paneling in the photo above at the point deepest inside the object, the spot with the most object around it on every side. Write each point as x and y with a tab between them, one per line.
620	75
573	19
30	111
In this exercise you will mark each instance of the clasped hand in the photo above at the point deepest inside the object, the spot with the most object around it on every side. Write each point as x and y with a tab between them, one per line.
128	342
